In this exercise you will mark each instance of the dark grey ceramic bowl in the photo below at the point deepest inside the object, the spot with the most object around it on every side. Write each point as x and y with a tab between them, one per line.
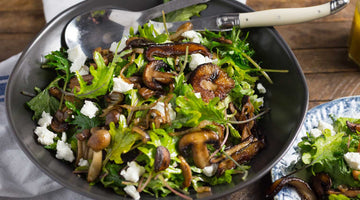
287	97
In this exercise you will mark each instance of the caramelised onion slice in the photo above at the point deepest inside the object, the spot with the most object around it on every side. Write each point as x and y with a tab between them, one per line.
300	185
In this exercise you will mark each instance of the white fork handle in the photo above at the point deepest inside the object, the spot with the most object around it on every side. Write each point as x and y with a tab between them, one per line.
284	16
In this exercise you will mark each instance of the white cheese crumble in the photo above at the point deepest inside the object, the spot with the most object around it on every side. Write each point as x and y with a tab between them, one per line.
133	172
45	119
63	151
210	170
193	36
121	86
160	107
261	88
63	136
315	132
83	162
198	59
115	45
198	95
323	125
89	109
45	136
77	57
131	191
353	160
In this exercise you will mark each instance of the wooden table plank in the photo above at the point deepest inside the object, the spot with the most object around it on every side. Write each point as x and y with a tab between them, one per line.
23	22
21	5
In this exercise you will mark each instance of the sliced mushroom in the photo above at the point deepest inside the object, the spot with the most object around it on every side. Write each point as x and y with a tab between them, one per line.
74	82
112	116
197	141
95	166
162	158
242	156
136	42
352	126
186	172
114	98
321	183
153	78
57	93
211	81
58	123
99	140
146	93
301	187
349	192
175	49
234	149
183	28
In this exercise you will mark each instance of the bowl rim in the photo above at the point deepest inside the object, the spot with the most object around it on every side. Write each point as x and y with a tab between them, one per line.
89	5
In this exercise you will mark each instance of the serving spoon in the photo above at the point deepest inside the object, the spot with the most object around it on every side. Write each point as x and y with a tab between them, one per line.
101	27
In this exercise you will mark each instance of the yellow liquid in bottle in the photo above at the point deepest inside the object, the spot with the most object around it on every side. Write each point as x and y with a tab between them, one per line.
354	42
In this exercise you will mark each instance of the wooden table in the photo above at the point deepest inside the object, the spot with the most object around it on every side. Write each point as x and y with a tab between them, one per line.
320	47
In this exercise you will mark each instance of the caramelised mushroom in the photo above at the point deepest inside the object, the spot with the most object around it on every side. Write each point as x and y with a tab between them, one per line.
211	81
112	116
186	171
173	50
153	78
74	82
58	123
349	192
136	42
95	166
321	183
183	28
301	187
198	141
242	156
352	126
162	159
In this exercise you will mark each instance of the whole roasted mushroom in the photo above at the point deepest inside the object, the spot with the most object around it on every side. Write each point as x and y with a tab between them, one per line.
198	141
98	140
211	81
153	78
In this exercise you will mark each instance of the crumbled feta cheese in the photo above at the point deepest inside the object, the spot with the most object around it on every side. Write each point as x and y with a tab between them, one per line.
198	59
315	132
115	45
89	109
83	162
260	100
133	172
63	136
77	57
45	119
121	86
63	151
261	88
160	107
84	70
323	125
198	95
45	136
210	170
131	191
353	160
193	36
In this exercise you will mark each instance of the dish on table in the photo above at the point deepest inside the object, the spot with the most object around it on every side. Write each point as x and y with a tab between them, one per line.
343	107
287	98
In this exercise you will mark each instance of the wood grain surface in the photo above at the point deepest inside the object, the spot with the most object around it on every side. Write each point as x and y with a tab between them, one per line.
320	47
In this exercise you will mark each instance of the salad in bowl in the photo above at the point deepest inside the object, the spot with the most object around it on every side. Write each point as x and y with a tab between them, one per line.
159	114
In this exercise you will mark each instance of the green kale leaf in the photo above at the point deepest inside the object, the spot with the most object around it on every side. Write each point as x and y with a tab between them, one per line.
101	81
43	102
122	139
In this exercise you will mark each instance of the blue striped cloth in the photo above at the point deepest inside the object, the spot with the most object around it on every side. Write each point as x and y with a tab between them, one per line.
3	81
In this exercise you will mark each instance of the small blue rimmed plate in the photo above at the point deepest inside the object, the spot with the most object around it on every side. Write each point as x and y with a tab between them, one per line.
343	107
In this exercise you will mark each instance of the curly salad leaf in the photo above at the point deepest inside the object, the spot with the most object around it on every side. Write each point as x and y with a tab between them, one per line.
325	153
101	82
